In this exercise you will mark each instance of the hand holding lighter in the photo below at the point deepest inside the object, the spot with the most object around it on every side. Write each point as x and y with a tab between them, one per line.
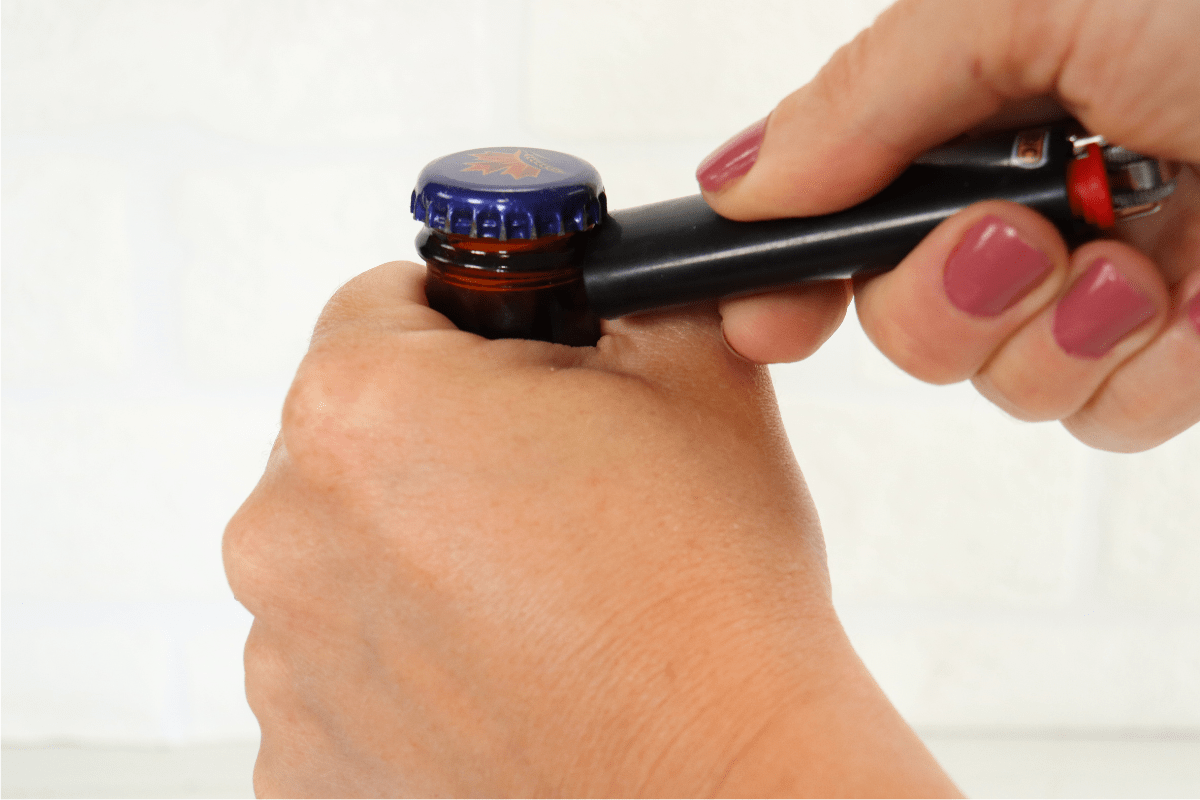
534	253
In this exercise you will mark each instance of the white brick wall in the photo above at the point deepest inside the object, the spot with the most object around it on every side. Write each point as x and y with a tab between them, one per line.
68	275
186	183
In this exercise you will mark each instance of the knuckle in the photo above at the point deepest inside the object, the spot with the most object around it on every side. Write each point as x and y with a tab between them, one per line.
935	371
266	778
267	678
1027	397
327	418
839	82
254	562
238	552
280	696
932	361
353	404
1129	416
348	310
1117	436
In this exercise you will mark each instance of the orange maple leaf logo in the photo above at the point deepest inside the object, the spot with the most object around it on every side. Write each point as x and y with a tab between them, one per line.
510	163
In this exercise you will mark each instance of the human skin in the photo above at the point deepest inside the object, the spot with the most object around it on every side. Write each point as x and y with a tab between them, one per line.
516	568
929	70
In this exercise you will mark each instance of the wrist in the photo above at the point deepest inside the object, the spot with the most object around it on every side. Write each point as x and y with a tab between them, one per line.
834	733
713	707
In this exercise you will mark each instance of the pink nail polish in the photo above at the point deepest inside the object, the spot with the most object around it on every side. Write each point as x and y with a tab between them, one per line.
991	269
732	159
1193	312
1099	310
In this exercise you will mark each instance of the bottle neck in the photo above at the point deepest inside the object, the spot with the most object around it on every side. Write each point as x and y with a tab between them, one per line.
544	254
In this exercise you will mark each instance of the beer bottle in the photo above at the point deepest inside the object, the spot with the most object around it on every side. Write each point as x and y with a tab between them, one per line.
502	236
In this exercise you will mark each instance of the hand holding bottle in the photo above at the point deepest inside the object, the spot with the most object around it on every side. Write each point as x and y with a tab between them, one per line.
515	568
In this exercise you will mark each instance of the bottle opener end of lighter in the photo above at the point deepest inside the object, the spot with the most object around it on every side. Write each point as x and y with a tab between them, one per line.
1137	184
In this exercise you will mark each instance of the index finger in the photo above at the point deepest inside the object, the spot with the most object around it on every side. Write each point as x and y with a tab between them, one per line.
390	297
928	70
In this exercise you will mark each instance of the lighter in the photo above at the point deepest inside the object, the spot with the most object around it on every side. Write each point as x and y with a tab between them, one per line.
537	204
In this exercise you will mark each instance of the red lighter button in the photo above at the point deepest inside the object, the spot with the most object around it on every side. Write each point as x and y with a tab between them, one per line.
1087	186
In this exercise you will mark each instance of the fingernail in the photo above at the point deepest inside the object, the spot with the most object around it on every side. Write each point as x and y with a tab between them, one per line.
1099	310
992	268
732	159
1193	312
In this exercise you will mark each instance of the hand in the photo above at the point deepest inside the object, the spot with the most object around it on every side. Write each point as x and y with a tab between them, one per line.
1106	338
515	568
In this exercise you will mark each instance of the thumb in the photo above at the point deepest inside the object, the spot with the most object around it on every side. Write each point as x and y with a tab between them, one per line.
681	347
928	70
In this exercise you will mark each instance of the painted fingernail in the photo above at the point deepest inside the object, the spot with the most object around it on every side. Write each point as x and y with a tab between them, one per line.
1099	310
992	268
1193	312
732	159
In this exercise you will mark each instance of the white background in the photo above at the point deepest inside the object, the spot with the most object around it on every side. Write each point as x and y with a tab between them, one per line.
185	184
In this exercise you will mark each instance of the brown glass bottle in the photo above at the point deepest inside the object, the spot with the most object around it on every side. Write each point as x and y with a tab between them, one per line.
502	236
510	289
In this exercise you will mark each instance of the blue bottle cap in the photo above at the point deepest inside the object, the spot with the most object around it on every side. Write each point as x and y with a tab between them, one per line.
509	193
